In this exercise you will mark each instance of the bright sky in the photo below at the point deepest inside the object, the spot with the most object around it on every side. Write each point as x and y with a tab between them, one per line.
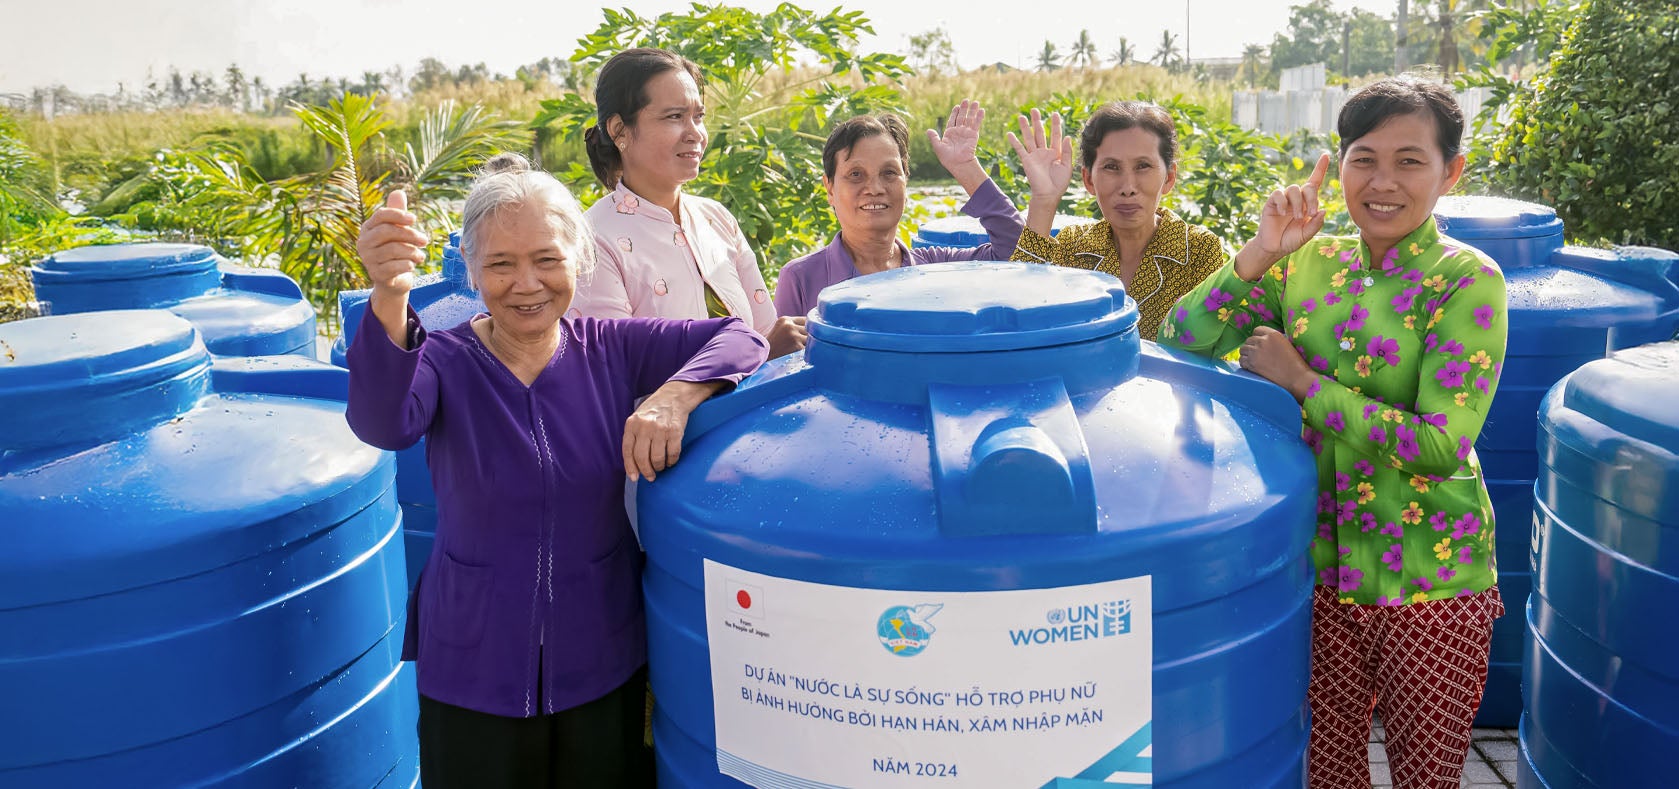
91	45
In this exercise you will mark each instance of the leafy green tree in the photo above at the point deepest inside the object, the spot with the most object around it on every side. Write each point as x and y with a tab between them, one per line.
307	224
932	52
1253	64
1370	43
1083	52
1521	32
767	121
1125	54
1049	58
1166	52
1313	35
238	91
1597	133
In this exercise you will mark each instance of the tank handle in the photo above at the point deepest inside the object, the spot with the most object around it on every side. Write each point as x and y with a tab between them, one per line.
289	375
1010	459
260	280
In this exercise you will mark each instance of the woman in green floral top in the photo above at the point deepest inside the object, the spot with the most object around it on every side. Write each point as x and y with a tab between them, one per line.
1392	341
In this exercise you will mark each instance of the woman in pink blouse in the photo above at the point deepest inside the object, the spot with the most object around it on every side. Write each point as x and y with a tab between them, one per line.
665	254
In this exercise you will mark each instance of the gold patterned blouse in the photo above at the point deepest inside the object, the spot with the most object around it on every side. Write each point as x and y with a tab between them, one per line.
1176	260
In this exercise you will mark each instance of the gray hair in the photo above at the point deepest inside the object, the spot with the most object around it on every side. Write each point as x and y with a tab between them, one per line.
508	181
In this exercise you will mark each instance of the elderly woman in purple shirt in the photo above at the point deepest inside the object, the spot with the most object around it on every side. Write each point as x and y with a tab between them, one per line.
526	625
865	166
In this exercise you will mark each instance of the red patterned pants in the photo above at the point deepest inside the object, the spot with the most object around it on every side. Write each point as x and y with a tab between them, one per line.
1424	666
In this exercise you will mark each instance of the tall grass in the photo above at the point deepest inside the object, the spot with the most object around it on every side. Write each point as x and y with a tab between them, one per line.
93	153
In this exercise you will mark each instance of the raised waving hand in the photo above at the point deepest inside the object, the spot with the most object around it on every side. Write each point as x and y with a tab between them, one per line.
957	147
1047	160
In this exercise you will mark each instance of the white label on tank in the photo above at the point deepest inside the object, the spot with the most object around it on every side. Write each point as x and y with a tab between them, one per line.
820	686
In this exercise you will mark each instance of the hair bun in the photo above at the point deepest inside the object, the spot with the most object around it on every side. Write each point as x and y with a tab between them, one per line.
507	163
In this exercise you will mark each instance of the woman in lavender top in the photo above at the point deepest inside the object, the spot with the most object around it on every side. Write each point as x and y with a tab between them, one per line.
865	166
526	625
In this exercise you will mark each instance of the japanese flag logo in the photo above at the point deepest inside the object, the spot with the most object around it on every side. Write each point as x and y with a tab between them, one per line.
744	599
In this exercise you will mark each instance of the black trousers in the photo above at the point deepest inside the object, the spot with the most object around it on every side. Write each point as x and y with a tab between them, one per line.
596	745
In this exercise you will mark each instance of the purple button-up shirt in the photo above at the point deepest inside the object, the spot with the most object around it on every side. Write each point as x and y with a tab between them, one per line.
803	279
535	573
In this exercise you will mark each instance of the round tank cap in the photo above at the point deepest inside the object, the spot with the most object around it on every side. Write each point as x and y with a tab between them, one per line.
129	261
962	307
1468	218
68	351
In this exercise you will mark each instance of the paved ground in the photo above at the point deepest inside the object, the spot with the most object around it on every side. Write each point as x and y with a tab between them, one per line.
1491	763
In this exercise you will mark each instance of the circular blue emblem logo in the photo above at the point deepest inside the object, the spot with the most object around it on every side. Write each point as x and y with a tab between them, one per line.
904	631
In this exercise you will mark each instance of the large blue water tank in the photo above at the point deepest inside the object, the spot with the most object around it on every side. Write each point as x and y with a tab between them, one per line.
990	443
200	582
444	301
1567	306
966	232
1602	681
239	311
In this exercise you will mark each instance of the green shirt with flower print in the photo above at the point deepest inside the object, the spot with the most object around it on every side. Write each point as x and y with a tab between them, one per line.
1408	353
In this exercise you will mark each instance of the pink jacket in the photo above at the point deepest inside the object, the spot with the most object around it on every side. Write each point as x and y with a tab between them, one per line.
650	267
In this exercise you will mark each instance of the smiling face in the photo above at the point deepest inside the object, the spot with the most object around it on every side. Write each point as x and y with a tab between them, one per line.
663	149
1128	178
527	271
1392	177
869	187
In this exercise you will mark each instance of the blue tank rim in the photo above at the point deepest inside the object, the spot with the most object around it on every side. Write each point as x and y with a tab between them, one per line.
126	261
155	345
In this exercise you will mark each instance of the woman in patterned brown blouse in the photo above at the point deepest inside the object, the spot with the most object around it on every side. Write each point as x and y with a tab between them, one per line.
1129	152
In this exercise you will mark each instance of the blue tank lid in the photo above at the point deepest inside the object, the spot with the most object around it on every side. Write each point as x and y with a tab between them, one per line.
966	307
71	378
128	261
1631	392
1471	218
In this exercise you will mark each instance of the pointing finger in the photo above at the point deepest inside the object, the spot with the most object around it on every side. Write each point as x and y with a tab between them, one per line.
1315	180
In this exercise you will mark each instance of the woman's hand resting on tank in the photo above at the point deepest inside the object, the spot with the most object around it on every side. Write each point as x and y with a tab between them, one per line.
1269	354
653	434
787	336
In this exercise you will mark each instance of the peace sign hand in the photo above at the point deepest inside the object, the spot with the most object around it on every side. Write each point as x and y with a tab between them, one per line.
1047	160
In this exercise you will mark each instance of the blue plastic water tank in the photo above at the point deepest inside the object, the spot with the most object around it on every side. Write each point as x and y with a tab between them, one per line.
965	232
986	438
239	311
200	582
1567	306
1602	684
444	301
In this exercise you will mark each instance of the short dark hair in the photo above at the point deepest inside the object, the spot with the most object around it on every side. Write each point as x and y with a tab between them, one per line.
1381	101
848	133
621	90
1121	115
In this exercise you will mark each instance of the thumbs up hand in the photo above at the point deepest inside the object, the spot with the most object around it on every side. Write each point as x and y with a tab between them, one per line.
391	246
